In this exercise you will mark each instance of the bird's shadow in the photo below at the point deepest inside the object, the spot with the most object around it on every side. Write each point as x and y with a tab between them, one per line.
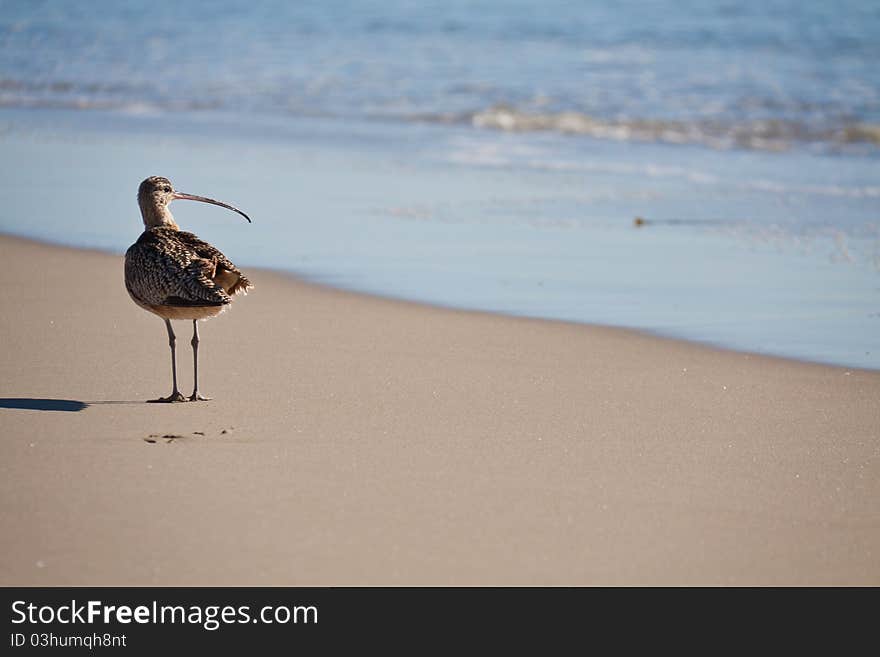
69	405
32	404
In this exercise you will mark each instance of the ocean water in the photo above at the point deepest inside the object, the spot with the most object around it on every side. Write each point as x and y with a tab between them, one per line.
487	155
755	74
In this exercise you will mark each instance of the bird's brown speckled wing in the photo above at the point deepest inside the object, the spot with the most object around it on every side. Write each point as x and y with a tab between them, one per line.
226	273
163	269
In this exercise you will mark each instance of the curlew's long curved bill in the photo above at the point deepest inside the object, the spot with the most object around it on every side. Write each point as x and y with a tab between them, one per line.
193	197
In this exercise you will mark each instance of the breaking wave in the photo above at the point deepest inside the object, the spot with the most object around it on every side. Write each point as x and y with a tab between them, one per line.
764	135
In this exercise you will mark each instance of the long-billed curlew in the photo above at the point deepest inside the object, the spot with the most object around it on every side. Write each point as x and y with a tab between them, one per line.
175	275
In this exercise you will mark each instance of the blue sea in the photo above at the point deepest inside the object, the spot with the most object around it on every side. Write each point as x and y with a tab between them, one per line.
704	170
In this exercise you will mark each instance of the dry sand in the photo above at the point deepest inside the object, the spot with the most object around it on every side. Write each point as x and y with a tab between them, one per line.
356	440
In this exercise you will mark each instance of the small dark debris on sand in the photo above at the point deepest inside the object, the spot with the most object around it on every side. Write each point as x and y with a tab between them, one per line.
150	440
198	433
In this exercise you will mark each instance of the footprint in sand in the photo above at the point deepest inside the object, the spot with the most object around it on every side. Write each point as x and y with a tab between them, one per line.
172	437
168	437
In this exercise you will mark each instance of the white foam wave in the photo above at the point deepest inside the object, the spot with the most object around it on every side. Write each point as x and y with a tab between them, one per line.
764	135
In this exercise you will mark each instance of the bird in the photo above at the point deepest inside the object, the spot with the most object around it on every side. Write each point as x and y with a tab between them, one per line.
175	275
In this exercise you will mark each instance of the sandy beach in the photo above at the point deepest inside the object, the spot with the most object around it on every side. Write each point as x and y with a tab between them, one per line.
354	440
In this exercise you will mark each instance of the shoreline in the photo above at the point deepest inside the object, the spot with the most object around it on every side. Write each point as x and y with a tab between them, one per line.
303	278
355	439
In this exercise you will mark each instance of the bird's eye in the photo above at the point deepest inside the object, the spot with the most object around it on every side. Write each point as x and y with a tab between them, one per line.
166	188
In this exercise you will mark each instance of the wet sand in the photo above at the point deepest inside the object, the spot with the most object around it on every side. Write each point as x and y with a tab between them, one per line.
357	440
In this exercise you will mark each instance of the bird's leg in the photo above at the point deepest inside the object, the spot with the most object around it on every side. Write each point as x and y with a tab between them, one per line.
175	395
195	345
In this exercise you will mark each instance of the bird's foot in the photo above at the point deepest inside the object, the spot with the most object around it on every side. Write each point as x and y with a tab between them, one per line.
197	397
173	397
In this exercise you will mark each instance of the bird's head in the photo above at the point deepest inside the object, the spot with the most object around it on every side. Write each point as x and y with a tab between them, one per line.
156	192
